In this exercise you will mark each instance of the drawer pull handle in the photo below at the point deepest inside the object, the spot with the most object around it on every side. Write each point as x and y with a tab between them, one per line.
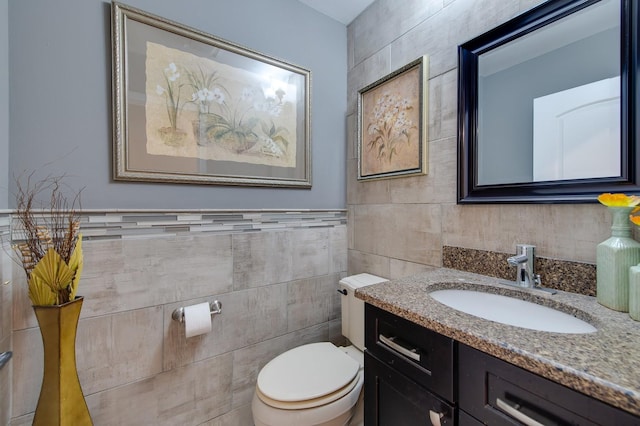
435	418
411	353
513	412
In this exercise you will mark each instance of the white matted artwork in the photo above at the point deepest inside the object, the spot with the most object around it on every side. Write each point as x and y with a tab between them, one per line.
193	108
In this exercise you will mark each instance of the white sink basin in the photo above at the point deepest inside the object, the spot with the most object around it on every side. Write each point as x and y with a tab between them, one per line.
511	311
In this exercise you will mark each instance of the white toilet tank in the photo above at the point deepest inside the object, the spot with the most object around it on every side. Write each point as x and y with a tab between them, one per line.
353	308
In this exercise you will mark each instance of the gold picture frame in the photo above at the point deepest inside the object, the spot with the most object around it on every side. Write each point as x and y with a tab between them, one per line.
393	124
189	107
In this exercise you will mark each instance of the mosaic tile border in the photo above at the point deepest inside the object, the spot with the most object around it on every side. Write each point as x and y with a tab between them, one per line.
574	277
121	224
5	225
5	231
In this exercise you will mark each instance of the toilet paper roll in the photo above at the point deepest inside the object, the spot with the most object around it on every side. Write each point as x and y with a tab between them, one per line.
197	319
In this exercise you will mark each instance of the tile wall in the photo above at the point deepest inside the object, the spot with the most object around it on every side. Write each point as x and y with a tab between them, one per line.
400	226
276	274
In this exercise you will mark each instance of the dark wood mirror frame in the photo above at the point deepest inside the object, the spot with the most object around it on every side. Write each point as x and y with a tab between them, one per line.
565	191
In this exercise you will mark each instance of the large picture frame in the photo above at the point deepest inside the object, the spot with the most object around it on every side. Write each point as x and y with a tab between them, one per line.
392	124
189	107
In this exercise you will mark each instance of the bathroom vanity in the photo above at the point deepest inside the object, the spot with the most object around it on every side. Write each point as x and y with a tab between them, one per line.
427	363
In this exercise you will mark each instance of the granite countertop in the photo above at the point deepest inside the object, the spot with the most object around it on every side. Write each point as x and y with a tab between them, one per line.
604	364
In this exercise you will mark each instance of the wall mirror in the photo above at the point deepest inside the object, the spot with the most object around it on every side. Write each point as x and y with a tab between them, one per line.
547	105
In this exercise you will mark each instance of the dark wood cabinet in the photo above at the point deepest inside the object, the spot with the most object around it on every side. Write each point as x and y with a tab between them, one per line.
393	399
408	373
498	393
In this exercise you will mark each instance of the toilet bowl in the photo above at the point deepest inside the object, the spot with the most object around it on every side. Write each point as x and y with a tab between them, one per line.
314	384
318	383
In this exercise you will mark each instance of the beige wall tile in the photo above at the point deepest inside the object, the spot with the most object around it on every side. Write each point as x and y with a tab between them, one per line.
183	396
335	311
350	233
440	34
570	232
443	106
5	385
338	249
312	301
400	268
405	231
262	258
373	225
363	74
360	262
6	312
247	317
240	416
26	420
366	191
27	370
119	348
6	287
384	22
352	136
438	186
22	315
310	256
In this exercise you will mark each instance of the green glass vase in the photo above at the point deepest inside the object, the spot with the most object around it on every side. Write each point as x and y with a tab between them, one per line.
614	257
634	292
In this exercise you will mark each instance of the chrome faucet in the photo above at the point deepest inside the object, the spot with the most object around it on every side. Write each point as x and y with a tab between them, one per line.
524	261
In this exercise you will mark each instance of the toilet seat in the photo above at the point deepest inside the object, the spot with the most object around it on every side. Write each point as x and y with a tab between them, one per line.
307	376
311	403
336	413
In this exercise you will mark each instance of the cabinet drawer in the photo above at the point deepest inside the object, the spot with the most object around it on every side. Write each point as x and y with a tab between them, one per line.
466	420
392	399
423	355
498	393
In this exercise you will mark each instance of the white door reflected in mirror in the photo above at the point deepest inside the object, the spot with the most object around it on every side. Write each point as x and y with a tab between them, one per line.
576	132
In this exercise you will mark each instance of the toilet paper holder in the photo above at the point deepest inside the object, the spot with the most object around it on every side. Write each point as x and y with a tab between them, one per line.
215	307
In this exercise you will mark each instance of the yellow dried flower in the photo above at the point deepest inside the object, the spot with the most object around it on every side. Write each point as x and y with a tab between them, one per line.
618	200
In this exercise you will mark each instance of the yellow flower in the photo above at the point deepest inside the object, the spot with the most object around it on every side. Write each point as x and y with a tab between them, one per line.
634	217
618	200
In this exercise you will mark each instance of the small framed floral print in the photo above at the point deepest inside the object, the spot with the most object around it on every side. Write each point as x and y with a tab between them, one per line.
189	107
392	124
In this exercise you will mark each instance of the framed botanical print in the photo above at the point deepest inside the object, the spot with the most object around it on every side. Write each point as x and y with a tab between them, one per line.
190	107
392	124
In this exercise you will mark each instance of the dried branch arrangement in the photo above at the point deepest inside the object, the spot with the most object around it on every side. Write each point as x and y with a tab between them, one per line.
51	248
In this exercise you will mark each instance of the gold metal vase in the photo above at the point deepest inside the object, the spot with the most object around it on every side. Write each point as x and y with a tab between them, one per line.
61	400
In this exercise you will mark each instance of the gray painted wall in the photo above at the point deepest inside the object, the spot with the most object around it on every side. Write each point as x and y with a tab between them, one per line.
4	102
60	104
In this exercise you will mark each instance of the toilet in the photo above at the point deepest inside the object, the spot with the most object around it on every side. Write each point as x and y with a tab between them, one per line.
318	383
